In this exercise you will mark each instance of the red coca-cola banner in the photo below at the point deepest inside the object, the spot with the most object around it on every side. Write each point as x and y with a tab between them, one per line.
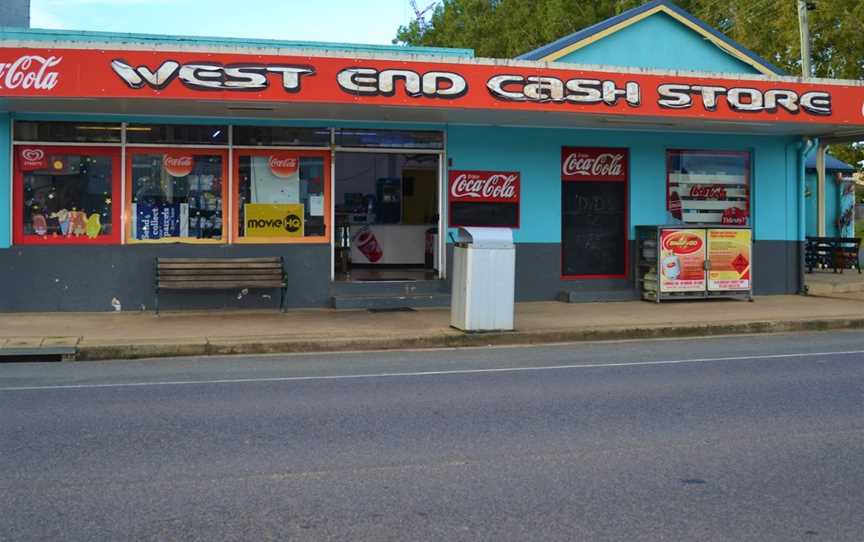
593	164
484	186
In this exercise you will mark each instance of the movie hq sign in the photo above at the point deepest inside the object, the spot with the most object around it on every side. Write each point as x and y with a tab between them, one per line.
99	74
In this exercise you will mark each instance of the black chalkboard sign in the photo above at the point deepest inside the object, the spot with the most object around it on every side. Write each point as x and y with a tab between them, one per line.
489	215
593	228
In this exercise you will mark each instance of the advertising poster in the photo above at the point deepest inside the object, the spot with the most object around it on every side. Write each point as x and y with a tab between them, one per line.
273	219
730	255
276	178
682	260
160	220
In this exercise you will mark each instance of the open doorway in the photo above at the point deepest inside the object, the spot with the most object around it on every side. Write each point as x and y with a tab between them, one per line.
386	212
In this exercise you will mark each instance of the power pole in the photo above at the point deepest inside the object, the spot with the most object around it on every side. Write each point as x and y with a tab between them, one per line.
803	7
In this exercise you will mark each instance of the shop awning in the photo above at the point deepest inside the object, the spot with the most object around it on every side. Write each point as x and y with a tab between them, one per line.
420	89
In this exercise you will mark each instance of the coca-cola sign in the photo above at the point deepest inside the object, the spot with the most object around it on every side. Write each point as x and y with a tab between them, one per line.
178	165
593	164
708	191
30	72
283	166
484	186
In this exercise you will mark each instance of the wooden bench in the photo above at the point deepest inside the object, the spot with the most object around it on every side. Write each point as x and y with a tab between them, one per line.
220	274
832	252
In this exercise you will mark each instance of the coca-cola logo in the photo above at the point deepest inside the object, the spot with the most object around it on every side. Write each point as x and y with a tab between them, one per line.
682	243
484	186
283	167
30	72
594	164
177	166
33	159
708	191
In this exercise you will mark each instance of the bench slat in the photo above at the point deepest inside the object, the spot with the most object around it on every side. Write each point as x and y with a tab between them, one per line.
223	278
218	260
218	285
195	272
221	266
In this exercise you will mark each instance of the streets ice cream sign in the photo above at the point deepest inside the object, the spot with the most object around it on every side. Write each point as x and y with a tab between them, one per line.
127	74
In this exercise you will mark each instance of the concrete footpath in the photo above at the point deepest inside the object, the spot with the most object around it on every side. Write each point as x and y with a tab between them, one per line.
124	335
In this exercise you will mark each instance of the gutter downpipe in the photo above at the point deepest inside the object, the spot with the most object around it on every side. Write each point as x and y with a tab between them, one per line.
806	145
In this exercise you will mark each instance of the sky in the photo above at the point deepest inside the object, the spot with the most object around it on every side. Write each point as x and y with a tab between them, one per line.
351	21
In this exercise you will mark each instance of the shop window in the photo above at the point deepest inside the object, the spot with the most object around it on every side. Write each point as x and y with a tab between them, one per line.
279	136
351	137
176	194
65	195
282	196
708	187
67	132
177	134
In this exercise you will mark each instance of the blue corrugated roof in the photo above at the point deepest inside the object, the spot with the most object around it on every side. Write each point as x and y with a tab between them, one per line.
831	163
87	36
566	41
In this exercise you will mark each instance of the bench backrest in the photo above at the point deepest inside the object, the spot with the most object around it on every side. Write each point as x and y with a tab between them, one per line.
219	273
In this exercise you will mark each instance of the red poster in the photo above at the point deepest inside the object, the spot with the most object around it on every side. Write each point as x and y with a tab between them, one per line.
593	164
484	186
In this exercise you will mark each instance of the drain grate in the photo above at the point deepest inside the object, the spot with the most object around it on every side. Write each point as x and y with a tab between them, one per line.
393	309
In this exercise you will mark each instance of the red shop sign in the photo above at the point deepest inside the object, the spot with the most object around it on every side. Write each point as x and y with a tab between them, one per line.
593	164
484	186
283	165
182	75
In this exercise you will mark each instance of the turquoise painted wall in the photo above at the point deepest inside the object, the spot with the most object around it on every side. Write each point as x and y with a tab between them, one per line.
536	153
834	201
658	42
5	182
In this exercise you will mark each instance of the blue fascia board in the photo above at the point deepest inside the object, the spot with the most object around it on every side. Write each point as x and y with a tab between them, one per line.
88	36
559	44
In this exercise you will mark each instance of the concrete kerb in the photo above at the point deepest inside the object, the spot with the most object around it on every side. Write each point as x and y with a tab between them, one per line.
245	346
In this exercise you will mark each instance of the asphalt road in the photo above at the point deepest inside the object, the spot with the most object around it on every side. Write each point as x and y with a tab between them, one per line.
741	438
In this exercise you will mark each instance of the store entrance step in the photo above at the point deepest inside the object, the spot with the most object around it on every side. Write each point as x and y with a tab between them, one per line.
410	287
593	296
391	301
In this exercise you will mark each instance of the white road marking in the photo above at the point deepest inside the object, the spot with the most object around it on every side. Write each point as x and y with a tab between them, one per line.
429	373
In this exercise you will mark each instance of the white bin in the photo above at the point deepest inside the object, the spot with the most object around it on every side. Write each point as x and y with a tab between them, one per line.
484	269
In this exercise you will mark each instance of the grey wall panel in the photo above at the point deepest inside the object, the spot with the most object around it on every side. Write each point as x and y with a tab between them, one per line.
778	266
69	278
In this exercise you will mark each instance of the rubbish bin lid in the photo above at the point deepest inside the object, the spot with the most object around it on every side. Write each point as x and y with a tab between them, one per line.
486	237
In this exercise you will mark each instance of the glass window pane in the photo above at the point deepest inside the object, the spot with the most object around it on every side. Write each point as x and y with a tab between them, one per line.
177	134
281	195
351	137
279	136
84	132
67	195
176	195
709	187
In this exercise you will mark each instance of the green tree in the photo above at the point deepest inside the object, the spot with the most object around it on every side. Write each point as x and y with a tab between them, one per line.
508	28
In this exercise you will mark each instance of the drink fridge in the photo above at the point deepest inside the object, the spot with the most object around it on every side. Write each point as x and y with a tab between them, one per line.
694	262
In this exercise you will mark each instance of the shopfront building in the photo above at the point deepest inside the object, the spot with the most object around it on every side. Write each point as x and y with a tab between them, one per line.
354	163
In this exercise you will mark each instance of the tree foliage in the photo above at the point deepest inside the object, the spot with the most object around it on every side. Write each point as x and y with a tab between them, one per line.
508	28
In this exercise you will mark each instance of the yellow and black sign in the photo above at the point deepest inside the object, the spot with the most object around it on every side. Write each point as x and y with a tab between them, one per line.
273	219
